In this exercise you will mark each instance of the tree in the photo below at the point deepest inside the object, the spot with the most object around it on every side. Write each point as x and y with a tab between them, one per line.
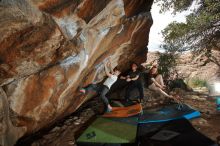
200	32
167	65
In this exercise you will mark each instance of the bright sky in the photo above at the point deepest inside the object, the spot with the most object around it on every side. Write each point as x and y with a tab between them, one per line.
161	20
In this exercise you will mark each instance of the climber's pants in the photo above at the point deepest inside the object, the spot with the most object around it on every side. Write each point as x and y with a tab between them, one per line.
131	87
103	93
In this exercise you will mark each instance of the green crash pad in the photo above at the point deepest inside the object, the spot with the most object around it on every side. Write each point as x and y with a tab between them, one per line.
106	130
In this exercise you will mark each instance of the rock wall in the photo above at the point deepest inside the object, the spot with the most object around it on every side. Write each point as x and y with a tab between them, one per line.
191	67
200	67
50	48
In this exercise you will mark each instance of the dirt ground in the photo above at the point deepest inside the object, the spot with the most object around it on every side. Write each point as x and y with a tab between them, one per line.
209	122
65	132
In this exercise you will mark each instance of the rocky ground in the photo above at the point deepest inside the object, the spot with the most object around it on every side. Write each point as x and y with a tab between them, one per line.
65	132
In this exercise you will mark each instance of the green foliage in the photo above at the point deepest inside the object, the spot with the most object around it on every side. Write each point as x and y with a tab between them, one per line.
200	33
196	82
176	5
167	64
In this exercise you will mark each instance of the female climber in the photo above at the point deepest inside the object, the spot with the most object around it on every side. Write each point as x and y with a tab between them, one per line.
105	87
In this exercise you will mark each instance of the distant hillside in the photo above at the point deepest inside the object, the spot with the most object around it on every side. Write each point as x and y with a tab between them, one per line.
191	67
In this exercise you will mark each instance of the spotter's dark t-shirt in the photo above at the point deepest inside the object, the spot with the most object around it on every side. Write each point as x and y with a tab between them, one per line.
133	74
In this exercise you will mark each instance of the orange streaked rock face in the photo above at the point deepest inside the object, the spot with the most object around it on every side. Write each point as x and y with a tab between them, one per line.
51	48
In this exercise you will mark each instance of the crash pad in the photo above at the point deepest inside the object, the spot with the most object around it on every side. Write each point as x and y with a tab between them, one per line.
116	130
123	103
185	134
120	112
168	113
107	131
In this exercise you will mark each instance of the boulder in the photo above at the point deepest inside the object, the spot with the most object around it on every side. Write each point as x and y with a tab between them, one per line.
50	48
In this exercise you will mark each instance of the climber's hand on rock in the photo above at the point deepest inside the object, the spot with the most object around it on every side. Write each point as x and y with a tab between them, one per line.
108	63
